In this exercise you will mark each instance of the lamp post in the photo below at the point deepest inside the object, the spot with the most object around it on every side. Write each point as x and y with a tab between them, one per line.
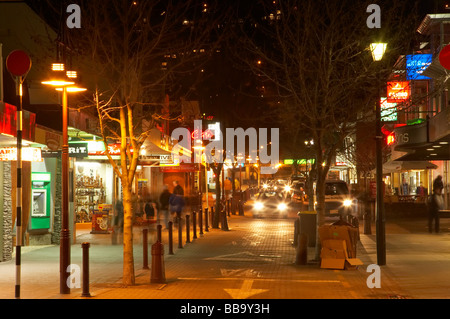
63	82
378	50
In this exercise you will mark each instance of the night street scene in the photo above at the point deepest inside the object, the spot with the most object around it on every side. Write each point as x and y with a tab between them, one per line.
245	158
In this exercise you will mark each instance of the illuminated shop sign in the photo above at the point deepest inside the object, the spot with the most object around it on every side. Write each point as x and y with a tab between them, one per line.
416	64
8	115
398	91
204	135
96	148
29	154
299	161
388	110
78	149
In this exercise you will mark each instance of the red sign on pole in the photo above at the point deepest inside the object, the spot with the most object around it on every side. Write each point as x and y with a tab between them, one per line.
444	57
18	63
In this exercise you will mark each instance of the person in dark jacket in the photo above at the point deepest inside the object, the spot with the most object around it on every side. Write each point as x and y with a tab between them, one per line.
177	188
176	204
434	204
164	204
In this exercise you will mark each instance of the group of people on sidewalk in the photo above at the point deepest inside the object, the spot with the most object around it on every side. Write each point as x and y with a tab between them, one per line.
435	203
168	203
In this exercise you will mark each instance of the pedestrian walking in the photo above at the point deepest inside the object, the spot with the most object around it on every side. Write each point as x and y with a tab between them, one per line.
177	188
176	202
164	204
438	183
118	220
434	204
150	208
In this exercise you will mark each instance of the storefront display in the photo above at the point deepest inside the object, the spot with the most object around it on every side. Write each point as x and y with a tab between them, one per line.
90	193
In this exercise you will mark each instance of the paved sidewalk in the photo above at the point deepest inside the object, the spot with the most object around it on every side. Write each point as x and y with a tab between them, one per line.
255	259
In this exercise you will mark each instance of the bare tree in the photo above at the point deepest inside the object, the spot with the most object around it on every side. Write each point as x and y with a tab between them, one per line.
137	52
316	53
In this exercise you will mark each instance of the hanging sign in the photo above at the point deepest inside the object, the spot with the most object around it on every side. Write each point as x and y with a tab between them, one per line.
398	91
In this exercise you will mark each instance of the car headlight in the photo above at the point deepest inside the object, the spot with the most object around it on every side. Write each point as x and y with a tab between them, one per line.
259	205
347	203
282	206
265	186
287	188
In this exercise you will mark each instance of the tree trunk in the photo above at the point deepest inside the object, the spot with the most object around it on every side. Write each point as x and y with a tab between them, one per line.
128	260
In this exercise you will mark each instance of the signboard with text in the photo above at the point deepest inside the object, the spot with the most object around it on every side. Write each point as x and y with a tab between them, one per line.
398	91
30	154
388	110
416	64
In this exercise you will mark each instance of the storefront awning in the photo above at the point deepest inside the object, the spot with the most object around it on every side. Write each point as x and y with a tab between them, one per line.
154	155
397	166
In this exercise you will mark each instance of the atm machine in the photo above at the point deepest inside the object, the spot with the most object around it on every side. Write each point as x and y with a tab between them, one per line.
40	201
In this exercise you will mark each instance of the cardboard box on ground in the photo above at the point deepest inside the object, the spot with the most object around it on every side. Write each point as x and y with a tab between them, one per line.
339	242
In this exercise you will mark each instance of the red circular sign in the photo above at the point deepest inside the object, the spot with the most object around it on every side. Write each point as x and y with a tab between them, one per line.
18	63
444	57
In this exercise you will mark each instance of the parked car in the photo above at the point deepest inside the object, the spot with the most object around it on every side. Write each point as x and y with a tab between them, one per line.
270	203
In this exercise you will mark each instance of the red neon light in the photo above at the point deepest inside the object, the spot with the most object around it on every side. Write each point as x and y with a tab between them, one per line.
206	135
390	139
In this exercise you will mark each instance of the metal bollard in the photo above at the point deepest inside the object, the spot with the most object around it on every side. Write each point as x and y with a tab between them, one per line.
241	208
158	274
180	234
194	224
188	229
159	233
302	250
224	221
200	221
206	219
170	225
145	248
85	246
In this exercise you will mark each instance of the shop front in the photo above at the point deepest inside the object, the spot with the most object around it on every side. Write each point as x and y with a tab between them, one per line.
421	153
95	186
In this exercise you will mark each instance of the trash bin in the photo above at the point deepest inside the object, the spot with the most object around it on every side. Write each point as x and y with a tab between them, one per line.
308	226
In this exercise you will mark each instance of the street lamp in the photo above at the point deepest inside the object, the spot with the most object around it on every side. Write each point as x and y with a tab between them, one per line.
378	50
64	82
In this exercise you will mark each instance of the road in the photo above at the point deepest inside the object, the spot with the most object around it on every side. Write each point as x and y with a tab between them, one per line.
254	259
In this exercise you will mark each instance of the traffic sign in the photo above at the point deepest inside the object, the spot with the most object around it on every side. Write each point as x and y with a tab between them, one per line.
444	57
18	63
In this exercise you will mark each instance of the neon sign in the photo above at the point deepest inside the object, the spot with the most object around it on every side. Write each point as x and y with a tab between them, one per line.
398	91
416	64
204	135
388	110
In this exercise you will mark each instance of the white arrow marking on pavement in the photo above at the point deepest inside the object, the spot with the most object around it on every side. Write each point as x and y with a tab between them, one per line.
242	272
243	256
245	291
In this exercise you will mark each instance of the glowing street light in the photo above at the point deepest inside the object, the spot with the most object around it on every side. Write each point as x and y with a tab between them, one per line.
64	81
378	50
